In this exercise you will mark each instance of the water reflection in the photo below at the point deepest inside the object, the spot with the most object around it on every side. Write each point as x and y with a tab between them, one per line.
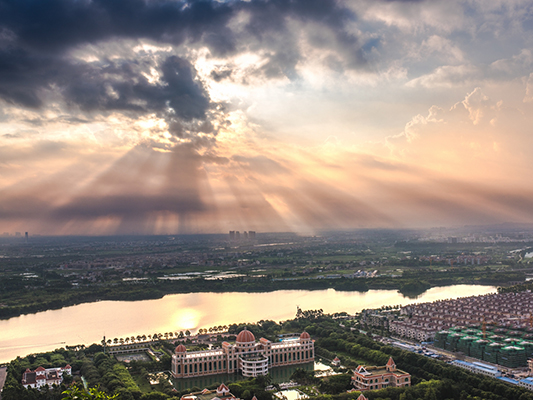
278	375
88	323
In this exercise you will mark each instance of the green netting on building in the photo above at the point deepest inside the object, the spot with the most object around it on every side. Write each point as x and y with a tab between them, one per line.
477	348
496	345
453	340
491	352
464	344
528	348
512	357
440	339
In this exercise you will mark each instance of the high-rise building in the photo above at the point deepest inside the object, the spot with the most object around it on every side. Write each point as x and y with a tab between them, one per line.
26	236
237	235
251	235
231	235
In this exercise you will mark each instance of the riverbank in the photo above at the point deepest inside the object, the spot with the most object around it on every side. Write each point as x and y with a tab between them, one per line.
52	298
90	322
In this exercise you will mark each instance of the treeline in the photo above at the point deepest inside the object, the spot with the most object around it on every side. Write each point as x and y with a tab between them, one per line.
27	300
522	287
32	301
98	369
431	379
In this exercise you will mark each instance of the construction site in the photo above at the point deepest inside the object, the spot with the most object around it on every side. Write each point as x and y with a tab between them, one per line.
497	345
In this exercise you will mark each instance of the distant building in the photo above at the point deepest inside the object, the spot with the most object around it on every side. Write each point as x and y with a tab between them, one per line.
42	377
374	378
246	356
17	234
336	362
237	235
478	368
251	235
221	393
26	235
231	235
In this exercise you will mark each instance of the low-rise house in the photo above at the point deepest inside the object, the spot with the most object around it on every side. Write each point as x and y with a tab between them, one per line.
42	377
379	377
221	393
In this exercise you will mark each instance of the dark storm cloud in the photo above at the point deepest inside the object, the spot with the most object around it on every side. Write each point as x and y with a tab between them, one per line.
37	36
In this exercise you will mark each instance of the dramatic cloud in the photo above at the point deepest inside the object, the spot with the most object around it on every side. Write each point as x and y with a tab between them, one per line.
132	116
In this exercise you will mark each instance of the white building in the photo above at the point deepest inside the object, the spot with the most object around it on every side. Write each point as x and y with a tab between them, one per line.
41	377
478	368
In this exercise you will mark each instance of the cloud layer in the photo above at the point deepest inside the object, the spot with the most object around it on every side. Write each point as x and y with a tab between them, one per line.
144	116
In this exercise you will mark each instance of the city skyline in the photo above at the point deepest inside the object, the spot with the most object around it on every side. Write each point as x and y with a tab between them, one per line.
143	117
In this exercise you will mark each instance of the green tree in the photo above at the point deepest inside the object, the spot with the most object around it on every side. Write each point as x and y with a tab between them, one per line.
79	393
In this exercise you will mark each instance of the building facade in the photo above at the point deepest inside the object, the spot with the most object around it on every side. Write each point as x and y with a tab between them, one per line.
374	378
42	377
246	356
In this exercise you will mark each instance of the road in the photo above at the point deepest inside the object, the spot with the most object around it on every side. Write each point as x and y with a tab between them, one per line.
3	372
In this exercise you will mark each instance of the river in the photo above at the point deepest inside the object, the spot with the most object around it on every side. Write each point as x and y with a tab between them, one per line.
88	323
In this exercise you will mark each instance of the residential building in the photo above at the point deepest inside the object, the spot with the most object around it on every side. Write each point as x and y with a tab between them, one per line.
42	377
379	377
221	393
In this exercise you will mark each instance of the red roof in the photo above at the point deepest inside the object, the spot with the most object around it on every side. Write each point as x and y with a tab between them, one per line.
181	349
245	336
40	369
361	397
305	335
222	388
390	363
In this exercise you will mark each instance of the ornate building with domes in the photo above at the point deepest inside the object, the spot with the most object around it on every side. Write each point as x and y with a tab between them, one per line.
246	356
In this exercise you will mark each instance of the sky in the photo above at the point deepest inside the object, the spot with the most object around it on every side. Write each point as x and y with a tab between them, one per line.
167	116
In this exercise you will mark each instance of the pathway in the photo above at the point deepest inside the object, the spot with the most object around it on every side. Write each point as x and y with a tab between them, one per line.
3	373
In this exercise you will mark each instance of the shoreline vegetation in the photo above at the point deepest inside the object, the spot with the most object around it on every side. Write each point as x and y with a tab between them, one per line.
335	336
411	284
